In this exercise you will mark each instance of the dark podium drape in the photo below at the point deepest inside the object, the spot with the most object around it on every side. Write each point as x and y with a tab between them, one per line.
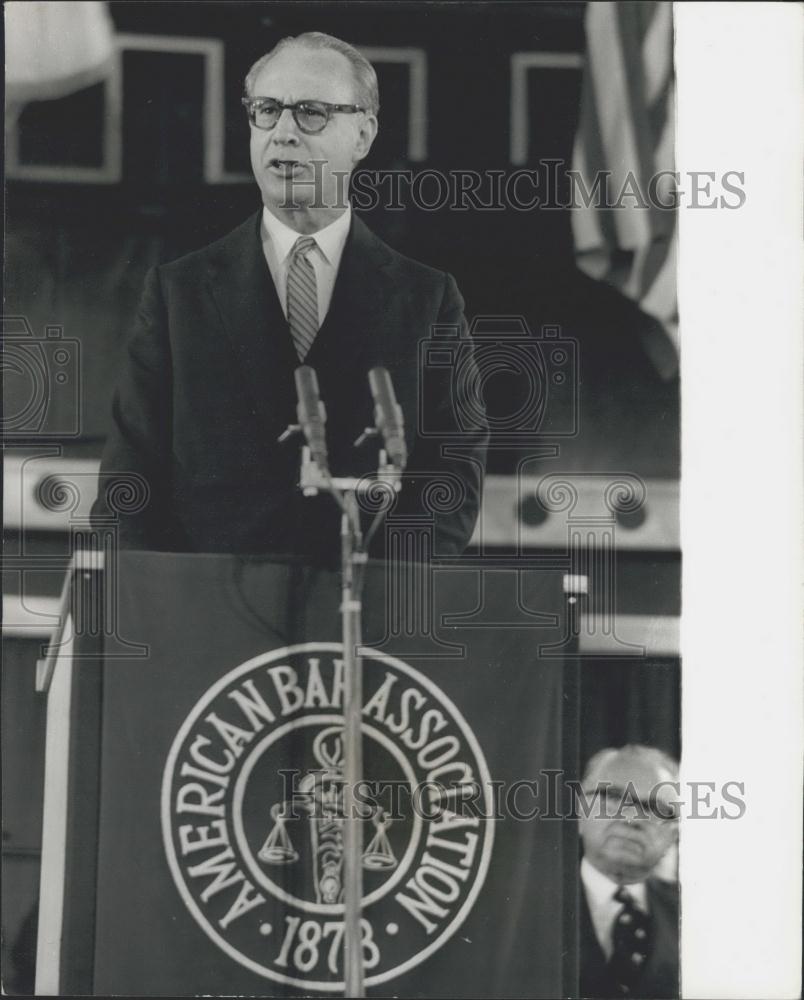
207	848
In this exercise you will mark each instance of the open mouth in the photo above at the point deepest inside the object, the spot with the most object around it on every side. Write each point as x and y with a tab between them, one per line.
284	168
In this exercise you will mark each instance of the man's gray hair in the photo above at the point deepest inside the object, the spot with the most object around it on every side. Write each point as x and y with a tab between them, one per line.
367	91
664	765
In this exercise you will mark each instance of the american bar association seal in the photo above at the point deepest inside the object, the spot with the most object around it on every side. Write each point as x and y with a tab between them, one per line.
252	816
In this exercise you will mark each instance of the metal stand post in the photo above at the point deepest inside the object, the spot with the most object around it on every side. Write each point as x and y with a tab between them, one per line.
351	608
354	556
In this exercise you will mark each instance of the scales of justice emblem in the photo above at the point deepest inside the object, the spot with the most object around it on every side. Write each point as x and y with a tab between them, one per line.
254	817
319	801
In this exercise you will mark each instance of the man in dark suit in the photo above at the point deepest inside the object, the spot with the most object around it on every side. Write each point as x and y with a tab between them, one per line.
628	929
207	381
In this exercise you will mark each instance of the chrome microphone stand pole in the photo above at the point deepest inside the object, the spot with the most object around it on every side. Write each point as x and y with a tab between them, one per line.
351	618
354	557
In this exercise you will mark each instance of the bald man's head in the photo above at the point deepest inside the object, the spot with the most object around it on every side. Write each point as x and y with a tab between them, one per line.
631	815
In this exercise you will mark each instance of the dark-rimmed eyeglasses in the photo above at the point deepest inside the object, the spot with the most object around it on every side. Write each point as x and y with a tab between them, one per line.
310	116
619	803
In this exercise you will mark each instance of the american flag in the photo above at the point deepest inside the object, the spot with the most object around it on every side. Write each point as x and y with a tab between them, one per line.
626	128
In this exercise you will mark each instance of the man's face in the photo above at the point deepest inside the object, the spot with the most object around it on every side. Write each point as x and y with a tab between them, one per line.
620	838
284	158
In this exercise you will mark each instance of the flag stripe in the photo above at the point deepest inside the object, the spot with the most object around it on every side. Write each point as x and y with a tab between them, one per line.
626	126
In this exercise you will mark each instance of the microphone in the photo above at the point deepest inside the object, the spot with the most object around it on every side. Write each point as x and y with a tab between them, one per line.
312	416
388	416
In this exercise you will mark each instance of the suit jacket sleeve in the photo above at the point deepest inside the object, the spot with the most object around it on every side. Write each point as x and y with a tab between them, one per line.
134	484
449	456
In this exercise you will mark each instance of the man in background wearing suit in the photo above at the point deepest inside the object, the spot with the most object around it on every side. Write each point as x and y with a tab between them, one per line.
629	919
206	385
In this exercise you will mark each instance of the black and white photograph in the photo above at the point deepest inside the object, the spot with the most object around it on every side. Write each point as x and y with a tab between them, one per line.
368	369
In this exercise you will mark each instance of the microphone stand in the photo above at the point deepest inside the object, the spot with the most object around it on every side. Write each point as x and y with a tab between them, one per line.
351	622
354	557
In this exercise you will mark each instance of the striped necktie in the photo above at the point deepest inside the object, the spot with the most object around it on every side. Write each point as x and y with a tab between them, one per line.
302	297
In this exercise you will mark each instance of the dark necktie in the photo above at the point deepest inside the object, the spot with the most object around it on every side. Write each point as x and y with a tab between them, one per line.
302	297
632	940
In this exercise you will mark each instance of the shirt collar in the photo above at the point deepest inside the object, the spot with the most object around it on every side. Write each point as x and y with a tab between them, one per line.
601	888
330	240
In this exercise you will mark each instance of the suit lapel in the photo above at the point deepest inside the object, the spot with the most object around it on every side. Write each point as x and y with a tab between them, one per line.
593	967
359	300
249	310
252	317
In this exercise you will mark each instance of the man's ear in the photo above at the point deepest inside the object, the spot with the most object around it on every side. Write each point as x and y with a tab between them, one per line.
367	132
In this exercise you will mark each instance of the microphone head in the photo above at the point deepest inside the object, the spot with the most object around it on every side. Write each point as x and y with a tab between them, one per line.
310	405
382	392
388	415
311	414
377	377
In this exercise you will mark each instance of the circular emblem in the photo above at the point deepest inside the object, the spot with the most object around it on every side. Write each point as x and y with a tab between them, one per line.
253	816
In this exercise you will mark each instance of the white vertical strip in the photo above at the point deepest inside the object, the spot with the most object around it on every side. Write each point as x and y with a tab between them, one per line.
113	121
519	109
213	113
54	824
657	52
739	71
417	121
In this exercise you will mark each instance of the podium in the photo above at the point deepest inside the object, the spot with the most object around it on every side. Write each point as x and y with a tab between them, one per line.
193	831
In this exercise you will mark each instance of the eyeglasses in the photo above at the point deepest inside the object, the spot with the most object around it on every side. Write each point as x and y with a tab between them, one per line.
617	803
310	116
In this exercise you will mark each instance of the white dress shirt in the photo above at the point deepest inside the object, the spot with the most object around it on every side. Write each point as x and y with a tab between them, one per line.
277	242
603	907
